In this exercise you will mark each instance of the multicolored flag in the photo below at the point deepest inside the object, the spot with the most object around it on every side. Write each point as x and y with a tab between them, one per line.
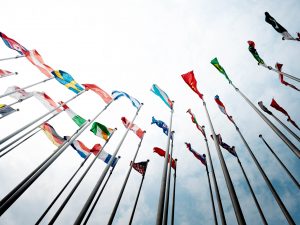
67	80
253	51
195	122
117	94
278	66
36	59
93	87
138	131
216	64
190	79
141	167
276	106
222	108
5	73
5	110
79	147
162	153
280	29
200	157
163	95
104	156
264	108
101	131
46	101
51	133
75	117
13	44
20	93
225	146
162	125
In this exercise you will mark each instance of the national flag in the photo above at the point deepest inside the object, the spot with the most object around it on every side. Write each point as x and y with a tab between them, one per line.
278	66
117	94
162	125
51	133
264	108
202	158
163	95
13	44
195	122
5	110
46	101
141	167
93	87
162	153
104	156
5	73
76	118
216	64
253	51
101	131
36	59
79	147
225	146
67	80
138	131
276	106
190	79
19	93
222	107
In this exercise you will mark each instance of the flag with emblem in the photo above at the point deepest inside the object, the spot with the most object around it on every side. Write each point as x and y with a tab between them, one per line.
67	80
189	79
13	44
162	125
216	64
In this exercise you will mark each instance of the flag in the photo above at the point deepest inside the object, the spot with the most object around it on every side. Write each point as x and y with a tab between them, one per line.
278	66
4	73
67	80
20	94
117	94
216	64
253	51
160	93
5	110
195	122
202	158
225	146
264	108
101	131
104	156
190	79
79	147
76	118
46	101
36	59
138	131
275	105
222	107
52	134
140	167
162	125
162	153
93	87
13	44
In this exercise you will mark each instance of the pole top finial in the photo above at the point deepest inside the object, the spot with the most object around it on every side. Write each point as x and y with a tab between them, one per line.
142	103
176	159
116	128
148	160
119	157
260	136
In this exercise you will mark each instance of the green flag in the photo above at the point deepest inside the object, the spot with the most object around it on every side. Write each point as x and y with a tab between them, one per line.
75	117
101	131
216	64
254	52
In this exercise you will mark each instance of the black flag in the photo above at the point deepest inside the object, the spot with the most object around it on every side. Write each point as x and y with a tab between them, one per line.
264	108
280	29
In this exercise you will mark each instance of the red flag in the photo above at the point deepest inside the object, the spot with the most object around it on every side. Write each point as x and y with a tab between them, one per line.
106	97
36	59
162	153
189	78
140	167
138	131
278	66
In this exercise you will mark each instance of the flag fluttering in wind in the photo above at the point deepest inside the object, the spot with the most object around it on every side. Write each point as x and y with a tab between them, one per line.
101	131
79	147
75	117
104	156
67	80
193	118
138	131
253	51
222	107
46	101
117	94
162	125
20	93
200	157
264	108
5	110
190	79
276	106
162	153
51	133
278	66
13	44
216	64
225	146
163	95
140	167
4	73
36	59
93	87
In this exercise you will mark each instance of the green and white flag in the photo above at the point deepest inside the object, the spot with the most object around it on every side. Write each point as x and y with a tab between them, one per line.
76	118
101	131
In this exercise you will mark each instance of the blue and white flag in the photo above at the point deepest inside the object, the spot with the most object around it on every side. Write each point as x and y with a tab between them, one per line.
162	125
160	93
118	94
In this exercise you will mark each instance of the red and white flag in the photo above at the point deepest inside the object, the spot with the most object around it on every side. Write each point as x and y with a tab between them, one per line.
93	87
46	101
5	73
36	59
278	66
19	93
138	131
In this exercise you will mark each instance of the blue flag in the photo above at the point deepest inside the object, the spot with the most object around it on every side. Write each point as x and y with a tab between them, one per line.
67	80
162	125
160	93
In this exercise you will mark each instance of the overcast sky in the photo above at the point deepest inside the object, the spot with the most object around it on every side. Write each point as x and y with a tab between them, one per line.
128	46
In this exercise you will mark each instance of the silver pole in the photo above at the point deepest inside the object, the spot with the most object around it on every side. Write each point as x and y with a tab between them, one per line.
15	57
277	71
285	127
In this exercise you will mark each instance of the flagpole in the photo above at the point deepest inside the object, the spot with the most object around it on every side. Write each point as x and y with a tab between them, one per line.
277	71
112	215
99	195
8	75
271	125
16	110
100	180
280	162
166	208
15	57
62	206
173	200
220	206
138	195
232	194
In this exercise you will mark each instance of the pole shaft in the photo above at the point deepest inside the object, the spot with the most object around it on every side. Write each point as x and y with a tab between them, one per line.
286	127
284	74
15	57
211	198
173	200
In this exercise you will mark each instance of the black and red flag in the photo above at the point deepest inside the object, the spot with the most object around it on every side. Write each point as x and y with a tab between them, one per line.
140	167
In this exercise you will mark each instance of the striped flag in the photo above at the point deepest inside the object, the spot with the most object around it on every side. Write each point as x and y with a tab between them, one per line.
13	44
231	150
104	156
200	157
51	133
141	167
46	101
216	64
160	93
67	80
76	118
93	87
195	122
222	107
264	108
254	53
20	94
5	73
190	79
79	147
138	131
101	131
162	153
278	66
117	94
36	59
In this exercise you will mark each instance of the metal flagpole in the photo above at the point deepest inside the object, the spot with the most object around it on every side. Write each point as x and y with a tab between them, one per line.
112	215
99	195
8	75
235	203
166	208
277	71
138	195
15	57
174	191
220	206
62	206
100	180
160	208
280	162
273	127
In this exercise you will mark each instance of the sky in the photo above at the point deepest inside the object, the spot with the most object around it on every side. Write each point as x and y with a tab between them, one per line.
128	46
